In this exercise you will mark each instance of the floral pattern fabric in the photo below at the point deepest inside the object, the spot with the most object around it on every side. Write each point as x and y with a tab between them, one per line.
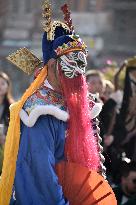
44	96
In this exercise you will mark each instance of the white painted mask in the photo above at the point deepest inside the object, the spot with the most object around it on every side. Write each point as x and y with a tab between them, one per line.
73	63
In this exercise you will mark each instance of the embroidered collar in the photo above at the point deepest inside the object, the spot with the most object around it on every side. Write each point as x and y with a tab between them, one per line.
44	96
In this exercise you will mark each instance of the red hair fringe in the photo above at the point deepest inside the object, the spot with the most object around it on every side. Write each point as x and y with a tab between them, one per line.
81	145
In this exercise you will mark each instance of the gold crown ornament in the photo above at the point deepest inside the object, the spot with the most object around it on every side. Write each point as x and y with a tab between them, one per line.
25	60
50	26
46	7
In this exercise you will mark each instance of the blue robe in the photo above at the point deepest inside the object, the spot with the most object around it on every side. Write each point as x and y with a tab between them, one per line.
41	147
42	139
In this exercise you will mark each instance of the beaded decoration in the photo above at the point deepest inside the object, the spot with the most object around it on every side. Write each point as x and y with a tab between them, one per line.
77	44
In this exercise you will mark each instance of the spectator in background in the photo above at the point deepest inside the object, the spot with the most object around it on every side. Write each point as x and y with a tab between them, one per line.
124	129
126	192
113	97
95	81
5	101
109	89
108	118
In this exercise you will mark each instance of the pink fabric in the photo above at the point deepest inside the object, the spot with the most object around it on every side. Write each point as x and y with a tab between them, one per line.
81	145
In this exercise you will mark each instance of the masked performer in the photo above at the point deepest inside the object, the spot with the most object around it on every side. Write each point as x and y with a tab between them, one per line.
54	112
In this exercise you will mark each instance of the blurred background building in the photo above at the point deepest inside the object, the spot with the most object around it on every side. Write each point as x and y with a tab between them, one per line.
107	26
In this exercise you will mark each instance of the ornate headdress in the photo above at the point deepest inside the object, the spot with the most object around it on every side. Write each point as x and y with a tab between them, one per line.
59	38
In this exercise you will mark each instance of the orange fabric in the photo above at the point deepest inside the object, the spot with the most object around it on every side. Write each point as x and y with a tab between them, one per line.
82	186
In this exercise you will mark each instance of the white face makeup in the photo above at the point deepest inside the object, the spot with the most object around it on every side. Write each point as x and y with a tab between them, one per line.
73	63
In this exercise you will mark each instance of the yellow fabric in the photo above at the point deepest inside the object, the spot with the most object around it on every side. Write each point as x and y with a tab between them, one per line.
12	141
1	156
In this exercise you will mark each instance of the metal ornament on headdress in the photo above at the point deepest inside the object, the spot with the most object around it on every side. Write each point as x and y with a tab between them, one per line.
50	26
77	44
25	60
46	7
67	17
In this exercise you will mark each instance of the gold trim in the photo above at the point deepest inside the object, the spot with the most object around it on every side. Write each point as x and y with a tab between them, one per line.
25	60
54	25
46	7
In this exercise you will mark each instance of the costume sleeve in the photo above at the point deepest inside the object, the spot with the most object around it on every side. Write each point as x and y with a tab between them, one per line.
41	147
